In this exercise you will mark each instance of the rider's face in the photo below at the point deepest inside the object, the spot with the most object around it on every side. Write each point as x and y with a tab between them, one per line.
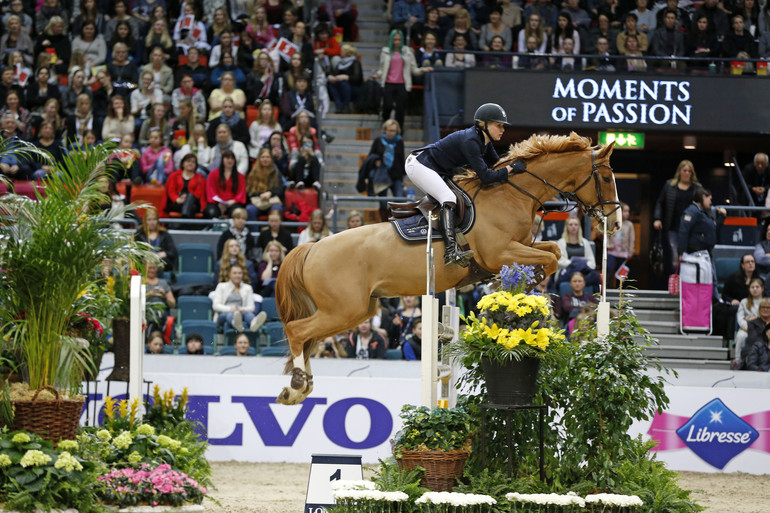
495	129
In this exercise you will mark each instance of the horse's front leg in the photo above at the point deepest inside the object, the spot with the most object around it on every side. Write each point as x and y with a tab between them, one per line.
516	252
547	245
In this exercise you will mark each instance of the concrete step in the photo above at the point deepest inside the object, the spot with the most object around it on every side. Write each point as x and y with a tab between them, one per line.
674	340
372	20
372	10
686	353
645	316
660	327
372	34
677	363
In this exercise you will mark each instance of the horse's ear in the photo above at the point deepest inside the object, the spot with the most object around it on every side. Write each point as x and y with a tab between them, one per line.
606	150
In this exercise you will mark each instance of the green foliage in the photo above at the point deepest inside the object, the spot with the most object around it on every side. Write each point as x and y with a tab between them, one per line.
643	475
389	477
53	249
424	428
37	476
602	390
493	483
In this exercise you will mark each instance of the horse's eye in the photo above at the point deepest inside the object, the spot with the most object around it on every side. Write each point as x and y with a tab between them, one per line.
606	179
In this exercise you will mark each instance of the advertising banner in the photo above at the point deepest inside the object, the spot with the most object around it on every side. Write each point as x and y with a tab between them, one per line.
625	101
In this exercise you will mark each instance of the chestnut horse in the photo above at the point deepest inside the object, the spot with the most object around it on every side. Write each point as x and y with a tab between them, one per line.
327	287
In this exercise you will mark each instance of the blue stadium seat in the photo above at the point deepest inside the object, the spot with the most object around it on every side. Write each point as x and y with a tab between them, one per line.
208	349
394	354
275	334
270	308
725	266
230	351
230	337
194	308
206	329
275	351
191	278
564	288
196	258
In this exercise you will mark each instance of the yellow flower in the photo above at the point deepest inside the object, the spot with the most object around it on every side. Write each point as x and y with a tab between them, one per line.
68	462
164	440
134	458
20	438
103	435
5	461
34	458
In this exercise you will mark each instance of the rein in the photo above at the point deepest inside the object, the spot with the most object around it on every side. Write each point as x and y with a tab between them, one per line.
594	210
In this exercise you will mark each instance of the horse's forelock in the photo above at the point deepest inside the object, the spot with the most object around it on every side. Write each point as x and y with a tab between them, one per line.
538	145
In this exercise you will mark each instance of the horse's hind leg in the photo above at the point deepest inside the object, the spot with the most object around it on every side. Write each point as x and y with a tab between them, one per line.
303	333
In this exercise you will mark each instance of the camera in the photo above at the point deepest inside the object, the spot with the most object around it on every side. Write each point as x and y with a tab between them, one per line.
307	145
328	346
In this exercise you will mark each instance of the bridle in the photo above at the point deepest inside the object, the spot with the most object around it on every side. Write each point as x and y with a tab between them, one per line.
594	210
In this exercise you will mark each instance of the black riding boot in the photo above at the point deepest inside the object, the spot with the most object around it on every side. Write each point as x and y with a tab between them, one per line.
452	254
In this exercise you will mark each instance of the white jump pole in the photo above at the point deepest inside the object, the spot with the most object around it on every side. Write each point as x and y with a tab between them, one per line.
136	374
428	360
603	311
451	319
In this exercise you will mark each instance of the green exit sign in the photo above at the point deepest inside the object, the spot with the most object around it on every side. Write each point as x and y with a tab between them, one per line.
625	140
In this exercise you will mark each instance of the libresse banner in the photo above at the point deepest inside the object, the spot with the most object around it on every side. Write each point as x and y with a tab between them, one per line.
712	430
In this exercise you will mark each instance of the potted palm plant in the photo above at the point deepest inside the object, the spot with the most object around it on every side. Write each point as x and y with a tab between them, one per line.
51	252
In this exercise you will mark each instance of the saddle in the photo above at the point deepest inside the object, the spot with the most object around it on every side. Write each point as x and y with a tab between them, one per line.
430	209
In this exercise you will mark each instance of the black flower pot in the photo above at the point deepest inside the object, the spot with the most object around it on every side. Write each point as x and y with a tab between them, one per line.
512	383
121	347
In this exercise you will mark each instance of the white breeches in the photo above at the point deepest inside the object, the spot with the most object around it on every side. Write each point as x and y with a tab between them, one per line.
428	181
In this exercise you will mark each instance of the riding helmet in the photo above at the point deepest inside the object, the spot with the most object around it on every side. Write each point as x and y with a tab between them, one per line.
491	112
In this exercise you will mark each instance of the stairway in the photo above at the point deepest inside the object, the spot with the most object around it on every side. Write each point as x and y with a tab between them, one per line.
658	312
353	133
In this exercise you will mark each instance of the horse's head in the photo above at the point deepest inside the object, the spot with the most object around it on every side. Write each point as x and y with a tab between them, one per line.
598	192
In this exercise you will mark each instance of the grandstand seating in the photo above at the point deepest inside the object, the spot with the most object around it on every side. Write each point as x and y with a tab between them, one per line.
194	308
198	258
190	278
275	334
206	329
270	308
275	351
230	351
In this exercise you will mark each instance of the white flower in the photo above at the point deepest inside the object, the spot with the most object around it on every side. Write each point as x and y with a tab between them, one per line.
34	458
353	485
68	462
612	499
455	499
570	499
395	496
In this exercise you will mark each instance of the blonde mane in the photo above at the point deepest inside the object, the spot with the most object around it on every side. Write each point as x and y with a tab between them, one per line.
537	146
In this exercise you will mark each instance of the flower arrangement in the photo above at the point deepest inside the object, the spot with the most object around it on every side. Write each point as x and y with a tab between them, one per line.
571	502
357	496
34	475
154	486
426	429
511	325
453	502
123	441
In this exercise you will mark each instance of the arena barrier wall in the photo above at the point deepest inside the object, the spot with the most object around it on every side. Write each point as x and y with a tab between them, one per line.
717	421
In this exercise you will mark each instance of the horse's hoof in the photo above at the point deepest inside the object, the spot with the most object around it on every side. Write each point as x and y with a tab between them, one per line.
284	397
299	378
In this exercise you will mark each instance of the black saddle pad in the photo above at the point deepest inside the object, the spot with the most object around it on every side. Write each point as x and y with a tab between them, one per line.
415	228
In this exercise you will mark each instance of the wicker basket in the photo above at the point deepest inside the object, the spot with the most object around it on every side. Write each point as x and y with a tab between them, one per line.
442	468
53	420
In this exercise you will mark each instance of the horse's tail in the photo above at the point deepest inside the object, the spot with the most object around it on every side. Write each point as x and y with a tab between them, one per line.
291	296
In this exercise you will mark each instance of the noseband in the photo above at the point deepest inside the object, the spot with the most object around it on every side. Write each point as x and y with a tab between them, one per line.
594	210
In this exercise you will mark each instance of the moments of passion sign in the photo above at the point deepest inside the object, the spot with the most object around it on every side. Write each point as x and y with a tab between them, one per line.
605	101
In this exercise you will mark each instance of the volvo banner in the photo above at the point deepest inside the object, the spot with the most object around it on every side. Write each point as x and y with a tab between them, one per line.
641	102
